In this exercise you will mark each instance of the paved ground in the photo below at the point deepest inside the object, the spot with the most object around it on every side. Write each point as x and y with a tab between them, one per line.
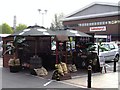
1	62
107	80
104	80
25	80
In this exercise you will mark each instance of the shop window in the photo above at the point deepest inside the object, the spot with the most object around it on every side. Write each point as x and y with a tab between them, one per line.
118	21
98	23
95	23
79	24
114	22
106	22
82	24
90	24
103	23
87	24
109	22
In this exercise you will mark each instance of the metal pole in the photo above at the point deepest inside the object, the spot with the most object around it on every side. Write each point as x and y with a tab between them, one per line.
114	65
98	50
56	52
89	73
42	13
42	19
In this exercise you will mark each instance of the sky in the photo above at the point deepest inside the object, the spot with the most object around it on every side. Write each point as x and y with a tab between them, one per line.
26	11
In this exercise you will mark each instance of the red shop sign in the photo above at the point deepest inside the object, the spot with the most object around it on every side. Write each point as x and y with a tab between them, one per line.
101	28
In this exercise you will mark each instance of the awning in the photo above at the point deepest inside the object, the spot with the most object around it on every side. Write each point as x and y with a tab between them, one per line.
34	31
41	31
61	38
69	32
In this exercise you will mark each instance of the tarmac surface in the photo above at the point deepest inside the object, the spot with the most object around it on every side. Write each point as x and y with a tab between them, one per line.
25	80
100	81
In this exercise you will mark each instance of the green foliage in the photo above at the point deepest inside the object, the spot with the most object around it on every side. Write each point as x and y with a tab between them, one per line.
103	48
92	47
21	27
0	29
18	41
6	29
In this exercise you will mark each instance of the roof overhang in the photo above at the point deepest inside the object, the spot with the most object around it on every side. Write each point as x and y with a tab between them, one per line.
91	4
4	35
92	16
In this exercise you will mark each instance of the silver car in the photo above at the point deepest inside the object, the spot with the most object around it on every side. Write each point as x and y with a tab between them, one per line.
111	51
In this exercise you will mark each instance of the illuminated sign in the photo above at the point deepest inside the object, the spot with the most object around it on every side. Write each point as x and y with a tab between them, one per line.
101	28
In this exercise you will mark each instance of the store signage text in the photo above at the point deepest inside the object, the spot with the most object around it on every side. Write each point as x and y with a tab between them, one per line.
101	28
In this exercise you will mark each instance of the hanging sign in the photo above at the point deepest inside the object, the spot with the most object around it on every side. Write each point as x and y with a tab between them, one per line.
100	28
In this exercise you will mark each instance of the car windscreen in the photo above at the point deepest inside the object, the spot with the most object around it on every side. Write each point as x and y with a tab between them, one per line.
102	47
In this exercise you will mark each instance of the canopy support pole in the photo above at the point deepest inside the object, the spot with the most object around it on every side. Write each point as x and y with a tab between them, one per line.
56	52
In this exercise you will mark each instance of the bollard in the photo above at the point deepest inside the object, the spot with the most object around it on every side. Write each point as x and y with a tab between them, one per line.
114	65
89	74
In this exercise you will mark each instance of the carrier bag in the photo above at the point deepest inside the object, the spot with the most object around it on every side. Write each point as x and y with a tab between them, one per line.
60	69
41	71
64	67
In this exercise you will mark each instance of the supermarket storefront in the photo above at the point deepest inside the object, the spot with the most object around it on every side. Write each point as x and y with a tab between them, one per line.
94	19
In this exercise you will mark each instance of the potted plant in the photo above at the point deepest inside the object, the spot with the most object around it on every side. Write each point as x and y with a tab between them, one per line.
14	62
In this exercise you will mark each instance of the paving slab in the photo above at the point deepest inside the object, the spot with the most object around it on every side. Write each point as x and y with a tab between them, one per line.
104	80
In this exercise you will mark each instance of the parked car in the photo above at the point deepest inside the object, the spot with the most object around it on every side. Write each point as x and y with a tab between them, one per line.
110	51
118	43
